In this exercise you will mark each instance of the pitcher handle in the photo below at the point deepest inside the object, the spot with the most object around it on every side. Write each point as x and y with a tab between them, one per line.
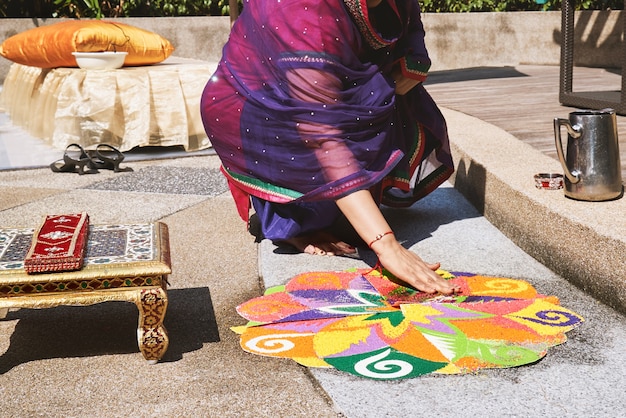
573	131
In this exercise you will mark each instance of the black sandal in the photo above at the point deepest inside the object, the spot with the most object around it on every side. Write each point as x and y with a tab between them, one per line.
102	161
81	165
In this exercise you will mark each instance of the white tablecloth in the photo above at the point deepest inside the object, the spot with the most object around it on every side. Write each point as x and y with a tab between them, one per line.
157	105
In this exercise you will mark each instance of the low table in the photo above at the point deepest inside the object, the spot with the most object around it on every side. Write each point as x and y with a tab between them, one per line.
123	263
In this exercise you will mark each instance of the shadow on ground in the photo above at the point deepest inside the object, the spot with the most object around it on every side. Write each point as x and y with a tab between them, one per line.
475	73
108	328
410	225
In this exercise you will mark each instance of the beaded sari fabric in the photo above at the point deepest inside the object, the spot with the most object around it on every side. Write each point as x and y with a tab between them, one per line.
303	107
362	323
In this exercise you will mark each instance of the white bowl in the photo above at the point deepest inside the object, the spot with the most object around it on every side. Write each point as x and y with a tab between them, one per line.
107	60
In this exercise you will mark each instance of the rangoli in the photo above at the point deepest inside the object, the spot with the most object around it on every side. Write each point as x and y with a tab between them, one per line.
362	323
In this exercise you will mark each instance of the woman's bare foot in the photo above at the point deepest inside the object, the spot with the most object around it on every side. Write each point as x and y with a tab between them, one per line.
320	243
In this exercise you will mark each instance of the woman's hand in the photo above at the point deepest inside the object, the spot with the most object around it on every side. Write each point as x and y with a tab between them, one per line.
410	268
403	84
368	221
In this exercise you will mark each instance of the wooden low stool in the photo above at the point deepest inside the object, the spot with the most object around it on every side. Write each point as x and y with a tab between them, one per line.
123	263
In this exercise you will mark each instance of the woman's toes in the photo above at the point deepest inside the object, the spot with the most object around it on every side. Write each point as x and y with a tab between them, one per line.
309	249
346	248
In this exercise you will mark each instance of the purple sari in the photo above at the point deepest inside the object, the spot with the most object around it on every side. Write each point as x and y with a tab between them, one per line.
302	107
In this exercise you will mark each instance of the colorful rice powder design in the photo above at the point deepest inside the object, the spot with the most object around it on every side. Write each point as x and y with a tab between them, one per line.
363	323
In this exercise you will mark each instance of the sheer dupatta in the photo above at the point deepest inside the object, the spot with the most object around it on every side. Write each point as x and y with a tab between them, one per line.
302	106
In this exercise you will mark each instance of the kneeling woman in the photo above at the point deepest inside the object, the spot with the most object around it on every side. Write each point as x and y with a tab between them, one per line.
317	110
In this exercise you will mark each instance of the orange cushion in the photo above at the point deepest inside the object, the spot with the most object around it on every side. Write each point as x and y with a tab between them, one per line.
51	46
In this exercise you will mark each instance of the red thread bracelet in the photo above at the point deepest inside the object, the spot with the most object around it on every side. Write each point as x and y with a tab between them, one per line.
379	237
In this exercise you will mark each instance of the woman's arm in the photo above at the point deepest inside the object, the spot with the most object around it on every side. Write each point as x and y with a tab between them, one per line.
368	221
403	84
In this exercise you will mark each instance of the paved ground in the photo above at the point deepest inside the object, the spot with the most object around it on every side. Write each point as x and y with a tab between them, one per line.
84	362
581	378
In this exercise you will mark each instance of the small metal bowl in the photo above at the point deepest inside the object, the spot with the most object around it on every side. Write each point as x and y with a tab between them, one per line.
549	181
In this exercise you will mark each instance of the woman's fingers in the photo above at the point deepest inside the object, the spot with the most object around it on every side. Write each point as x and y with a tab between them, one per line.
411	269
434	266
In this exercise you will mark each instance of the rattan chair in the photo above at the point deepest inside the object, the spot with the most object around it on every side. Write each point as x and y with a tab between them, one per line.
588	99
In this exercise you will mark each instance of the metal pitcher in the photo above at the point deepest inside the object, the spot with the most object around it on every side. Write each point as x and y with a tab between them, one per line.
592	166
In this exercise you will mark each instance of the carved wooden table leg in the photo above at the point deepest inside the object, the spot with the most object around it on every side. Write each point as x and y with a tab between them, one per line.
151	334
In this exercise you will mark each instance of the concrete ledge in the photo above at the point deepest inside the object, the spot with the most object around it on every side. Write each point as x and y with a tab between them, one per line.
584	242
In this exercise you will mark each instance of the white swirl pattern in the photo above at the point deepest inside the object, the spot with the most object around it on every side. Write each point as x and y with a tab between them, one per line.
273	344
378	363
